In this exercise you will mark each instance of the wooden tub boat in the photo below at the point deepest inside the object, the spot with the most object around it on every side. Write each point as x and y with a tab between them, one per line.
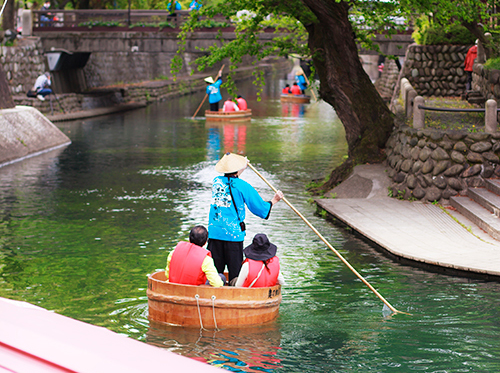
296	99
228	115
226	306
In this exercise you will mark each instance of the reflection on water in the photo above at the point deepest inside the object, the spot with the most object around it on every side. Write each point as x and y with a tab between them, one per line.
238	350
82	227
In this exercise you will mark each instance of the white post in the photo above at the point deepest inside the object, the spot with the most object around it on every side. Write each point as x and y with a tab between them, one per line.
410	97
418	114
27	22
490	117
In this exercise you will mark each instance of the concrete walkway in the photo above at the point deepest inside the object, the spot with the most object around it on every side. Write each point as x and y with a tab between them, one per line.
417	231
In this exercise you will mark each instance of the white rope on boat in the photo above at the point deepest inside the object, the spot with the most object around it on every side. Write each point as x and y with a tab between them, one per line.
199	312
213	311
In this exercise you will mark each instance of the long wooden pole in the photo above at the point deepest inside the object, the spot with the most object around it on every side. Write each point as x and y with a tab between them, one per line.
329	246
206	95
309	85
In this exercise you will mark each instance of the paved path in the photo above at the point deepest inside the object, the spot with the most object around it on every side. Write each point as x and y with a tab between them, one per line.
418	231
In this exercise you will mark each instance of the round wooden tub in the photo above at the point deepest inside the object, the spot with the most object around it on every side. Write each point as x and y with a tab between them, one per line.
228	115
226	306
296	99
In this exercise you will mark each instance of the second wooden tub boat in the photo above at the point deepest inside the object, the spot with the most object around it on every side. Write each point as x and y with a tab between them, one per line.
209	307
228	115
296	99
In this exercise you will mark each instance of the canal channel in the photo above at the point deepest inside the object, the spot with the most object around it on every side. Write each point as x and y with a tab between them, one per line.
82	227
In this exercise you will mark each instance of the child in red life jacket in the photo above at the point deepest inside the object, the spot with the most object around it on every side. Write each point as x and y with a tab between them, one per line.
286	90
261	268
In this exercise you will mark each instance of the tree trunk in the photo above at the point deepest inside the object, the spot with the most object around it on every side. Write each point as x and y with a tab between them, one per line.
6	101
344	84
8	18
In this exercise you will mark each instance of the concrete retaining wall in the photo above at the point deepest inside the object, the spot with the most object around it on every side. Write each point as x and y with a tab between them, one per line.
25	132
433	165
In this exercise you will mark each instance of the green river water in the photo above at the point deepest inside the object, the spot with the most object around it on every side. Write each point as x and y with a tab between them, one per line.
82	227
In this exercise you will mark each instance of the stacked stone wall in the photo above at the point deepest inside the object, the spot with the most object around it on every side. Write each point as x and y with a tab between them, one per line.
434	165
387	82
436	70
486	81
23	64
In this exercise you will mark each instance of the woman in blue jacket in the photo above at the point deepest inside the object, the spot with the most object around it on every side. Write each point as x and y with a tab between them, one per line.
213	91
226	226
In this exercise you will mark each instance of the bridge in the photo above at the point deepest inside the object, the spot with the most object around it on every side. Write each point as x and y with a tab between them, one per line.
121	46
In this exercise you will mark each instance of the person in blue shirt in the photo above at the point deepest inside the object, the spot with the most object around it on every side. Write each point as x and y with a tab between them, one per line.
226	226
194	5
301	80
213	91
177	5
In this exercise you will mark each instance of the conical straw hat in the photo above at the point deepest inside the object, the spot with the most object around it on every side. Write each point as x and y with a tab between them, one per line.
231	163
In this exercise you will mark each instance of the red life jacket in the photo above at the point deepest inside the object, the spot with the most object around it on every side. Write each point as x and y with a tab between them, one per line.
267	278
296	90
242	104
229	106
286	90
185	265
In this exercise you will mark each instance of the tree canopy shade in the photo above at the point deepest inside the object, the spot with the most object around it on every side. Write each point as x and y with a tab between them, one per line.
325	31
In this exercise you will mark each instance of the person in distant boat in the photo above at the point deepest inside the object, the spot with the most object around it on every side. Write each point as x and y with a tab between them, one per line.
242	103
301	80
190	264
296	89
229	105
286	90
261	268
213	91
226	226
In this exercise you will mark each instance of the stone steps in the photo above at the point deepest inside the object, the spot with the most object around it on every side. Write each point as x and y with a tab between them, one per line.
482	207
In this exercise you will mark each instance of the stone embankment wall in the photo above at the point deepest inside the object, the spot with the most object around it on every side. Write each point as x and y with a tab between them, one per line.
23	64
436	70
387	82
433	165
486	81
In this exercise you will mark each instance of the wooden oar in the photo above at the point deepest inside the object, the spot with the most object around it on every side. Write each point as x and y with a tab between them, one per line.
206	95
330	246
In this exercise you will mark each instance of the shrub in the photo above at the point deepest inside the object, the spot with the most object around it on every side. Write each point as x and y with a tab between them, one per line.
428	33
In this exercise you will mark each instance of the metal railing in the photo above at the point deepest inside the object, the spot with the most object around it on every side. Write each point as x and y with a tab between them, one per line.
59	20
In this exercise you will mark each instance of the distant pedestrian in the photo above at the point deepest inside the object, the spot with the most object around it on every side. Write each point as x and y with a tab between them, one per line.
195	5
468	64
176	6
42	86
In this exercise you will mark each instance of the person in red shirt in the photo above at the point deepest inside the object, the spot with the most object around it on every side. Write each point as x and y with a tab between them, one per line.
468	64
286	90
229	105
261	268
242	104
296	89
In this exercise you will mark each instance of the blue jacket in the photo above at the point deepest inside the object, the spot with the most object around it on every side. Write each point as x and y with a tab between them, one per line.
223	223
301	81
213	92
